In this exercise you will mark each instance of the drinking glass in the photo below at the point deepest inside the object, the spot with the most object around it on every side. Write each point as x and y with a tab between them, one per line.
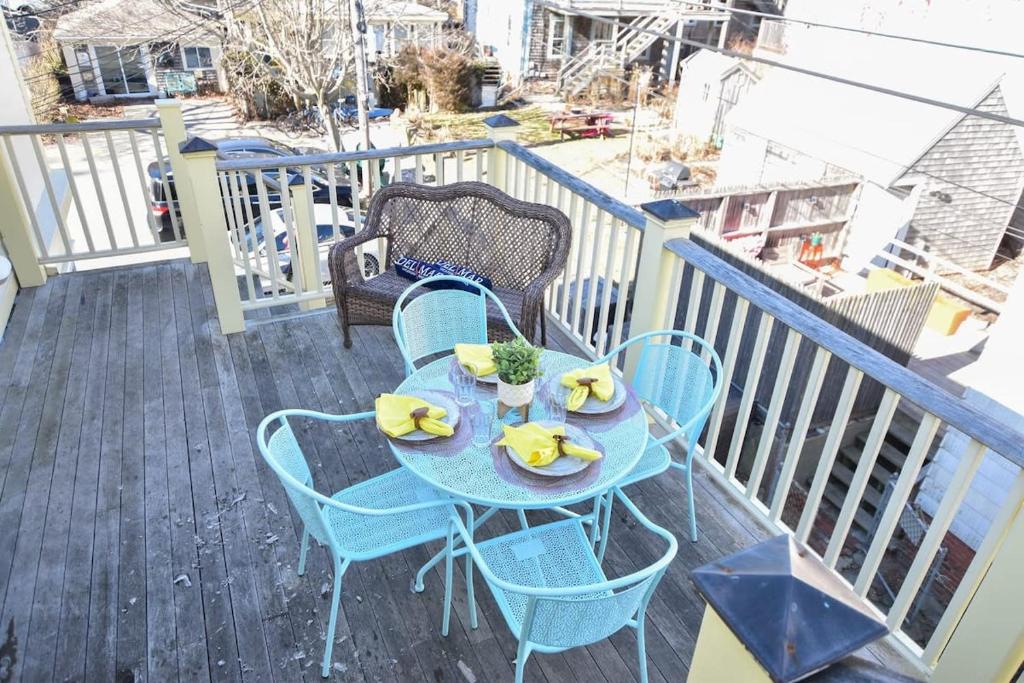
555	403
465	387
483	423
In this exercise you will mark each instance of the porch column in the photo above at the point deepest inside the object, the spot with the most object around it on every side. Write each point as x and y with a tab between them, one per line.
306	257
500	128
200	160
172	121
667	219
16	229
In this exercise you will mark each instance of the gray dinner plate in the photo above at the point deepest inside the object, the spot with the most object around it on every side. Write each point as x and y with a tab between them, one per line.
437	399
564	465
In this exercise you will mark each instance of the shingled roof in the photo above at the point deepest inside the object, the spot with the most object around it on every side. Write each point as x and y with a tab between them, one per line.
132	22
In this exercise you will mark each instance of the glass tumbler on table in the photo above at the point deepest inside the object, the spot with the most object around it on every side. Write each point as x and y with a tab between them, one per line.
483	423
465	387
555	403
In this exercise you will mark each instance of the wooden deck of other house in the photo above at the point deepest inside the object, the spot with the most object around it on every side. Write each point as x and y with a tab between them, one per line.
142	537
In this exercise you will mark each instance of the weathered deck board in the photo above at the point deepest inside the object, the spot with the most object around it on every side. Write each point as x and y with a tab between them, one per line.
128	459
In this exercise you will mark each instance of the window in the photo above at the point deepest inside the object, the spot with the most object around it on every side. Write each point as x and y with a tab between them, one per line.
556	36
198	58
121	70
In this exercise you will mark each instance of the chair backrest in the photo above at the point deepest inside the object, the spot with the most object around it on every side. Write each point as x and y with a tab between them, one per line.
677	372
428	321
567	612
284	455
474	225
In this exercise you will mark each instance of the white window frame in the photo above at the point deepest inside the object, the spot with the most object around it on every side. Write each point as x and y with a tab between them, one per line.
184	57
552	53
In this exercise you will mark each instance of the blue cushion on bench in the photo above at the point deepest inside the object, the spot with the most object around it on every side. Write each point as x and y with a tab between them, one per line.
415	269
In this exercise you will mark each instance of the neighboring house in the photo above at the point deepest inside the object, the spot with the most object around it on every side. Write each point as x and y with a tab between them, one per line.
959	178
393	25
137	48
550	41
994	387
710	85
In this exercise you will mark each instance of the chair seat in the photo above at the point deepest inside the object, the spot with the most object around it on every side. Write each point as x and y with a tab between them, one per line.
653	462
380	535
557	555
389	285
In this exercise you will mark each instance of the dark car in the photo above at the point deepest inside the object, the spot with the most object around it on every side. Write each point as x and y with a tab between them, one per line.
244	148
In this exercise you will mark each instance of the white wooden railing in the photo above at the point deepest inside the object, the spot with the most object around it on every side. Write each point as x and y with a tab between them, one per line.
651	276
98	199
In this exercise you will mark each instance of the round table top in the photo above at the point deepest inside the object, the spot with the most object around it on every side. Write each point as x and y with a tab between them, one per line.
475	473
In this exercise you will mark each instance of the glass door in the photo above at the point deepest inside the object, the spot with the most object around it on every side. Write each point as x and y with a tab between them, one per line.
122	70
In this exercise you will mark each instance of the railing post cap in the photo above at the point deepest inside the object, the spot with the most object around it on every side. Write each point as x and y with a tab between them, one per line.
196	145
669	210
167	102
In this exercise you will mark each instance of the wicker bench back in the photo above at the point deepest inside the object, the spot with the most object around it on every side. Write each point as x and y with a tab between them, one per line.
471	224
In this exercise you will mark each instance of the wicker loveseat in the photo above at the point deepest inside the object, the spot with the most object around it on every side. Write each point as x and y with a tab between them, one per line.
520	246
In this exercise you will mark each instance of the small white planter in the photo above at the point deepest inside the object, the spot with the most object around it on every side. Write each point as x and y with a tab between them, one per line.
515	395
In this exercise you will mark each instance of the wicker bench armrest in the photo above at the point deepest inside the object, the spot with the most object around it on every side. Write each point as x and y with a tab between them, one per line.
342	259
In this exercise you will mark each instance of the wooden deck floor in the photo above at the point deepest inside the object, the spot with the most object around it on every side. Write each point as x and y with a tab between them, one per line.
142	537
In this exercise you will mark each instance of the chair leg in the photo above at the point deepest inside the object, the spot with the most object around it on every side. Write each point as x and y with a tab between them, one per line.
606	526
302	551
693	512
522	519
470	595
522	654
641	647
543	328
595	527
449	545
339	571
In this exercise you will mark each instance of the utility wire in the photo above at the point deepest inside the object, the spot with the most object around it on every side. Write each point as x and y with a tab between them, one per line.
853	29
969	111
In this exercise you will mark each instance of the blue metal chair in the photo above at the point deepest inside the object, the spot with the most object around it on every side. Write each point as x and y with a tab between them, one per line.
683	380
434	321
371	519
553	592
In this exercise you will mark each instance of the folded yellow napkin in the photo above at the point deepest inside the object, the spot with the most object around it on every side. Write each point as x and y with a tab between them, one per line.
398	415
597	380
537	445
476	358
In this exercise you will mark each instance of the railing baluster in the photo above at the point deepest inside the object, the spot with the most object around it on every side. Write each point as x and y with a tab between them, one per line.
439	169
840	420
480	164
764	328
692	304
418	171
332	181
249	226
227	191
115	164
25	196
629	257
959	485
76	197
573	247
737	327
861	476
459	163
592	304
91	160
144	186
771	422
172	207
897	500
274	262
312	230
581	255
44	170
798	435
289	226
606	293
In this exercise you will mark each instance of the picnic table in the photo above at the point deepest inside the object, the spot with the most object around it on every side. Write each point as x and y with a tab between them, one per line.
582	124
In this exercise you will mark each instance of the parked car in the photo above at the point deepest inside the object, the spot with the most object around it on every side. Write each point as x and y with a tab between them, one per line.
244	148
323	217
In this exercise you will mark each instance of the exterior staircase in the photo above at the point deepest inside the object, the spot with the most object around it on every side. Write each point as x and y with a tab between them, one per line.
611	57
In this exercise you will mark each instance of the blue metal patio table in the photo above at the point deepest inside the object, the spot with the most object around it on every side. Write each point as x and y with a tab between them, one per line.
468	472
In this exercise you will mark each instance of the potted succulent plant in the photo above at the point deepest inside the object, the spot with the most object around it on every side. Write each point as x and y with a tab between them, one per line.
518	366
